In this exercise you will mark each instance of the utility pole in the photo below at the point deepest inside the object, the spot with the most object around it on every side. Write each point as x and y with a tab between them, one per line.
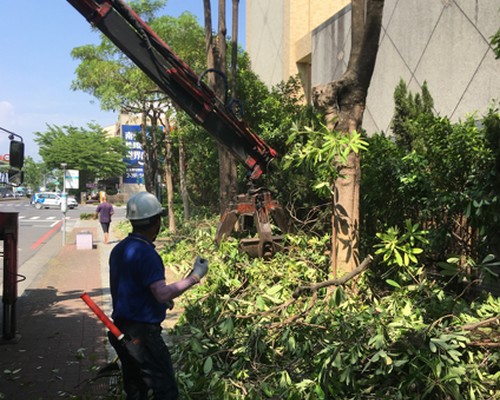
64	204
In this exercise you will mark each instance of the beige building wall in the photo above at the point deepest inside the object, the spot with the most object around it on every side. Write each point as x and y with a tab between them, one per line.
265	38
444	43
278	35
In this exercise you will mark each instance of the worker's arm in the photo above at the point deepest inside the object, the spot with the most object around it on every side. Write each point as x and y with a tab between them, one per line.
164	293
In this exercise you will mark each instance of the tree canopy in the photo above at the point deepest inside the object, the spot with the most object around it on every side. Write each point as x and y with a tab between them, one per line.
88	150
106	73
34	173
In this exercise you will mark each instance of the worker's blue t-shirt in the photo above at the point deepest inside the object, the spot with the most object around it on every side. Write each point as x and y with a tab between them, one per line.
134	265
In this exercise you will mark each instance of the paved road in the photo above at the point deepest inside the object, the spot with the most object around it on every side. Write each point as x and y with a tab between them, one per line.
37	227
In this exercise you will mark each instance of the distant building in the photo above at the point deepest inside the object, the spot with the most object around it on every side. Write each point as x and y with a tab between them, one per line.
443	42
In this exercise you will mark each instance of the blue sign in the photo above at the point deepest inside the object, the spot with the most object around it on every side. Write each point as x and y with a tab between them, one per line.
135	155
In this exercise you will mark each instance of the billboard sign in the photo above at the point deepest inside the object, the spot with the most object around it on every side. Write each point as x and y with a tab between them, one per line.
135	155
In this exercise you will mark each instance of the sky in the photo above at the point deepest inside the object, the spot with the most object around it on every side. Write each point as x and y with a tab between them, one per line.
36	68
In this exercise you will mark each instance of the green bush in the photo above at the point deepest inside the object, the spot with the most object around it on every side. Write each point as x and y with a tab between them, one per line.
87	216
444	175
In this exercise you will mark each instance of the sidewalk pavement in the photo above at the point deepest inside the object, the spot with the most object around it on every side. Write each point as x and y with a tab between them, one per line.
61	343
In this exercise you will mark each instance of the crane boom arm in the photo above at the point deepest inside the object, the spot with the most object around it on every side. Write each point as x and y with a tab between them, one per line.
175	78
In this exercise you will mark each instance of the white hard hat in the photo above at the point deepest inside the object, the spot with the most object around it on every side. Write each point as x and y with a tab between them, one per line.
143	206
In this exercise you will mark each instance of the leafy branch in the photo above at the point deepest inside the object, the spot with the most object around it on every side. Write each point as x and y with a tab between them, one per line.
323	151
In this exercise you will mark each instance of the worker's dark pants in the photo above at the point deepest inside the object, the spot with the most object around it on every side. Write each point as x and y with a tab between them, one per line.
146	362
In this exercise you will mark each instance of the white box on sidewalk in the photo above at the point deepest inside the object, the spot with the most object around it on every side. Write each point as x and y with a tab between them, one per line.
84	241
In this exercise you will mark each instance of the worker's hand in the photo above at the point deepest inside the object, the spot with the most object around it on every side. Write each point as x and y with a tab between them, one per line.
170	304
200	268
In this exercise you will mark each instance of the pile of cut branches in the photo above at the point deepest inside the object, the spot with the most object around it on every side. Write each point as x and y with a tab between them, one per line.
280	329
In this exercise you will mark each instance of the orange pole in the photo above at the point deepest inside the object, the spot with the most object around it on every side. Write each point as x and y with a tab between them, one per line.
103	317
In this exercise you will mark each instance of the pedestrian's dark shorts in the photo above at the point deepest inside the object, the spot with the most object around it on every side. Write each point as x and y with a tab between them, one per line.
105	226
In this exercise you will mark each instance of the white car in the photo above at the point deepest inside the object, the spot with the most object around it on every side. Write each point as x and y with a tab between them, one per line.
52	200
46	200
72	203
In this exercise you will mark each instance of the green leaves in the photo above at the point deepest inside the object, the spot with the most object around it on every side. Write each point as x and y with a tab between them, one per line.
322	151
467	268
241	337
207	366
88	150
438	173
495	42
393	283
401	249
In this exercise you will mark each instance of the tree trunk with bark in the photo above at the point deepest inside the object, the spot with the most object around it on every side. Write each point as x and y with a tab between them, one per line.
167	171
148	161
342	103
169	180
216	60
234	48
182	179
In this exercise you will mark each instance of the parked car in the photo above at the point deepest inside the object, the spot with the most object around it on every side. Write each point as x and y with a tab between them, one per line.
72	203
46	200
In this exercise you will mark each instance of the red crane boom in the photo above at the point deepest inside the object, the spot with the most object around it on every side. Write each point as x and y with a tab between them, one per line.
175	78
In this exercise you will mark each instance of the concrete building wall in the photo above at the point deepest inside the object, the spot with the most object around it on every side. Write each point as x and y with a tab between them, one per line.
331	45
265	38
278	36
443	42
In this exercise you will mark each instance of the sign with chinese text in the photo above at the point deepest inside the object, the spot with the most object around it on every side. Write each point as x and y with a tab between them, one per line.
135	155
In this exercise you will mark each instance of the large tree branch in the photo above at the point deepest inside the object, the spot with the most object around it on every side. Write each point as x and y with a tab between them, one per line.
367	18
334	282
343	97
471	327
491	339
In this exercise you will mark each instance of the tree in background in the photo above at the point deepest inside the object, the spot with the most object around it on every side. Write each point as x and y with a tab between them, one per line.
34	173
110	76
443	175
234	47
185	35
408	108
88	150
382	166
486	214
342	104
217	68
126	88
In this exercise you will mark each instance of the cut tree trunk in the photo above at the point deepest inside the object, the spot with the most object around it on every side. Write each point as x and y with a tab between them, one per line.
342	104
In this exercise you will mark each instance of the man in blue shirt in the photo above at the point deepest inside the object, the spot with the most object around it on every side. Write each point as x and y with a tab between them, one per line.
141	297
